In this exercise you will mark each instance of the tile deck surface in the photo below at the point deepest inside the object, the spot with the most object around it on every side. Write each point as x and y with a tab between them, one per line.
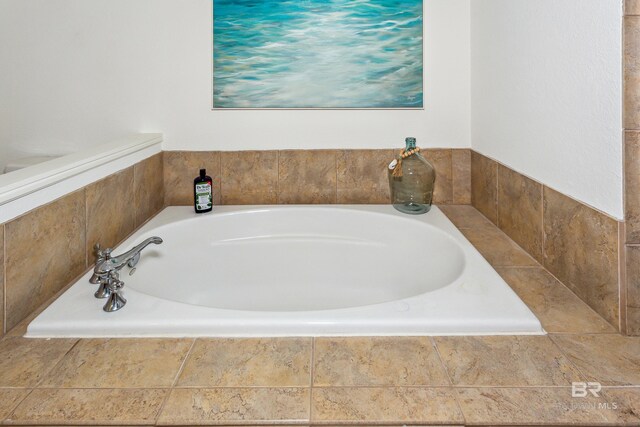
497	380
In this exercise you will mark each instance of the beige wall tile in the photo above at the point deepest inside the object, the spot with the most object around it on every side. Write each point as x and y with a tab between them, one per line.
465	216
110	213
581	249
441	161
505	361
558	309
181	168
632	72
484	186
120	363
632	7
307	176
2	329
24	362
632	186
461	168
385	405
45	250
607	358
363	176
227	406
498	248
274	362
89	407
633	290
249	177
381	361
148	188
533	406
520	210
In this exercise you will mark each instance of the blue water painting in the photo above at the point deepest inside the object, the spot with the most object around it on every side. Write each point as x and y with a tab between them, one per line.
317	54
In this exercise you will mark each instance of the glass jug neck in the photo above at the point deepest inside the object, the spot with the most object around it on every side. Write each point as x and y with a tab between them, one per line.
410	143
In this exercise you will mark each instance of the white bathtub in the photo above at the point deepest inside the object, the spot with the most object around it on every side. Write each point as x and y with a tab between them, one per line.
297	271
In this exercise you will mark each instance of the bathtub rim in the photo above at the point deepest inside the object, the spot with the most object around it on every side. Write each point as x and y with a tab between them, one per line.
169	215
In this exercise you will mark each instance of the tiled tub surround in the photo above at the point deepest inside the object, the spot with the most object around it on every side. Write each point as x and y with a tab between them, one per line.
49	247
503	380
43	254
579	245
556	230
307	176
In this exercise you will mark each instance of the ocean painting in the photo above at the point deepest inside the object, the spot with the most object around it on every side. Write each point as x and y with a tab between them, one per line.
317	54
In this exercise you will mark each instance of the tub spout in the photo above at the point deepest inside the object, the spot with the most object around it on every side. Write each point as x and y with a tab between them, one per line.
131	257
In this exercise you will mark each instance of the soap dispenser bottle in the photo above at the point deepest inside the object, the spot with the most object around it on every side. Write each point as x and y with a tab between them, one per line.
203	192
411	180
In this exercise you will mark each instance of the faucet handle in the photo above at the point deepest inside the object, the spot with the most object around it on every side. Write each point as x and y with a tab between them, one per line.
104	290
101	254
115	300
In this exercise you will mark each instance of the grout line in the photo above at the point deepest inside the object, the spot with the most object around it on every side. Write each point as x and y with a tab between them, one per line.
543	240
357	387
184	362
221	178
313	361
312	375
219	175
156	419
562	352
453	178
335	164
138	388
18	403
434	344
277	177
175	381
498	195
622	280
135	196
52	369
519	267
614	332
86	227
233	387
325	387
578	296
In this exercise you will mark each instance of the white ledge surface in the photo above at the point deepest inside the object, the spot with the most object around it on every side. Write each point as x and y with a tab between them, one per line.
26	189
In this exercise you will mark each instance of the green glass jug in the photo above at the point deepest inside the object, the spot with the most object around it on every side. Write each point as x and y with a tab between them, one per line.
411	180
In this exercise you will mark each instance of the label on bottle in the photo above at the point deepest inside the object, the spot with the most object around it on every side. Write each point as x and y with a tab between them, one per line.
204	197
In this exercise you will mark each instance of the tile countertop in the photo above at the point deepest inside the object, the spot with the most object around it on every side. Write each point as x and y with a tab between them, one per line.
494	380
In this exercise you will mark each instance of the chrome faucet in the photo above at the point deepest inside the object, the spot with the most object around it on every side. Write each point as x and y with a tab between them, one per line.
106	272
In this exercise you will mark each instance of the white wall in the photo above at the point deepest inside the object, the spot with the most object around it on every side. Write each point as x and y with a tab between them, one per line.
546	93
542	78
78	72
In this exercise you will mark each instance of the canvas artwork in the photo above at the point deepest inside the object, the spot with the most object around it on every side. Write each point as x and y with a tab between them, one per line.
317	54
